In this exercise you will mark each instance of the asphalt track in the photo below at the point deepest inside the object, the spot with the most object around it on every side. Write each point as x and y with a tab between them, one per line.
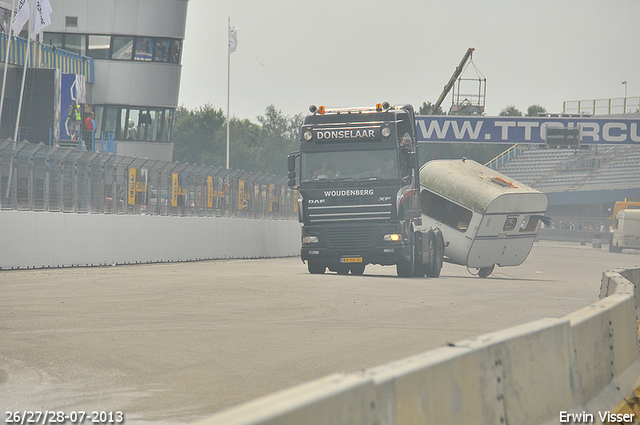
172	343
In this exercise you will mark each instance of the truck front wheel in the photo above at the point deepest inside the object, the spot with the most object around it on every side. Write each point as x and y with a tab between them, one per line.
316	268
405	268
357	270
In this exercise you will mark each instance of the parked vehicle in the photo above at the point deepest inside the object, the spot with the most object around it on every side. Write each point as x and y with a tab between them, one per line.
626	233
627	204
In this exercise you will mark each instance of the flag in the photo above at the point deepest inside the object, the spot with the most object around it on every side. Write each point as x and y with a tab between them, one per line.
42	17
22	16
233	38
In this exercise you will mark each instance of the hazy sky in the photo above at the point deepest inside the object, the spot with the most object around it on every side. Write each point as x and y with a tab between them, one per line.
341	53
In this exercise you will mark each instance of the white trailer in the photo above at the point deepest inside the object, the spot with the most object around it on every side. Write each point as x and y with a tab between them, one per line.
627	231
486	218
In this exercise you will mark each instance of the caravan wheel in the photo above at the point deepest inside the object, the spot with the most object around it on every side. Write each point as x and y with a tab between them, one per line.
485	271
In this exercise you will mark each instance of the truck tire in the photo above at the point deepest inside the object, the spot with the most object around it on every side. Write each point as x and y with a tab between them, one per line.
342	269
436	260
316	268
405	268
419	268
358	270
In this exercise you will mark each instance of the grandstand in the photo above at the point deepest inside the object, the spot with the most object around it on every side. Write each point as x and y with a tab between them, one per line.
582	184
560	170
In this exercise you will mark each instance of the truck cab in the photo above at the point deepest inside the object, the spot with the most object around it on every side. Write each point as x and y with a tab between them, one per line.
357	176
626	233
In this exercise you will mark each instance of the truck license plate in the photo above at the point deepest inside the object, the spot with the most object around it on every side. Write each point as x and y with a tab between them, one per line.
351	260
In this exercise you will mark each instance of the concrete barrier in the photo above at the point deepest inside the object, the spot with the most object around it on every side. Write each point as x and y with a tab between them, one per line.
585	364
480	380
43	239
335	399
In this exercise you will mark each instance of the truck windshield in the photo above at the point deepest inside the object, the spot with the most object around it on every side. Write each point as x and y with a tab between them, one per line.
370	164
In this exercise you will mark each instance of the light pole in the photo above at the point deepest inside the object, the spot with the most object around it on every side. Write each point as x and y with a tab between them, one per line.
624	83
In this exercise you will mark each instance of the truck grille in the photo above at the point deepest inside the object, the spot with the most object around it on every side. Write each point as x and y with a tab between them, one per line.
324	214
351	237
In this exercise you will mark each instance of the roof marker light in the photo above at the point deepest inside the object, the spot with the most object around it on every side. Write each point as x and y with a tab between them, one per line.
378	107
321	110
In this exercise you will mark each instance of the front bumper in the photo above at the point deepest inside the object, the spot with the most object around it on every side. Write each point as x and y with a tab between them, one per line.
348	245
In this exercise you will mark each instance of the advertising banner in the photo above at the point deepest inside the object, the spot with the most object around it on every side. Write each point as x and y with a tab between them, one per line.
131	199
592	130
73	88
240	195
210	194
137	187
179	193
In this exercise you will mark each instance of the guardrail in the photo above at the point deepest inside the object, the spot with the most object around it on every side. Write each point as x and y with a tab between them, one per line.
584	364
504	157
620	105
36	177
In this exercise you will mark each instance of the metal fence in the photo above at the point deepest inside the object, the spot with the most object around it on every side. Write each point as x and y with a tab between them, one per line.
36	177
621	105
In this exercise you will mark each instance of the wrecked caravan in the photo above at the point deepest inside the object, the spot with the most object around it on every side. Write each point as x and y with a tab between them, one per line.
486	218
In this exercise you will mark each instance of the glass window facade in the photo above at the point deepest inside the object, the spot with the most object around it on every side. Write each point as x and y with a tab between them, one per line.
136	123
119	47
162	50
144	49
122	48
98	46
75	43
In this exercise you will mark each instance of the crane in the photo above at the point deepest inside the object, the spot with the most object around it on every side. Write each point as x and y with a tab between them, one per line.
453	79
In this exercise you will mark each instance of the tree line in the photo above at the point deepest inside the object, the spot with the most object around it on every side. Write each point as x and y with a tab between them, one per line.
200	137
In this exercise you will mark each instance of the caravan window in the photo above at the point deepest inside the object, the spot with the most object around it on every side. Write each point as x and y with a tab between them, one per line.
510	224
445	211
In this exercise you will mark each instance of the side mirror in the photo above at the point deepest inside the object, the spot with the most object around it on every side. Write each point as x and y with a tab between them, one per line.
291	168
291	162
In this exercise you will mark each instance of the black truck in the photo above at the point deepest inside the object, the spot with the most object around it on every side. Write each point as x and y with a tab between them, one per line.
357	173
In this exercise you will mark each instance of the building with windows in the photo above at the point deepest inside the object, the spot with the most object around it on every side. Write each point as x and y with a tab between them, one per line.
135	46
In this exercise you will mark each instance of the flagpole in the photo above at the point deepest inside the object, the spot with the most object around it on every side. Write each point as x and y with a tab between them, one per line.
6	59
24	74
228	89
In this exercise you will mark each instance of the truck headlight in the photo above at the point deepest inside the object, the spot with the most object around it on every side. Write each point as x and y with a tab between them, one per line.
307	135
310	239
392	237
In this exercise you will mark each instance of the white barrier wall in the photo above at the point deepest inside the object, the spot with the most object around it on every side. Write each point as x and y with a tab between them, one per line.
44	239
585	363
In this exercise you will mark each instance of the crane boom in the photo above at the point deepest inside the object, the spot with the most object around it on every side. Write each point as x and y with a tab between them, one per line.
453	79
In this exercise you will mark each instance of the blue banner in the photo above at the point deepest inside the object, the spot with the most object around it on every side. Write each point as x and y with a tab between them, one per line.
593	131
